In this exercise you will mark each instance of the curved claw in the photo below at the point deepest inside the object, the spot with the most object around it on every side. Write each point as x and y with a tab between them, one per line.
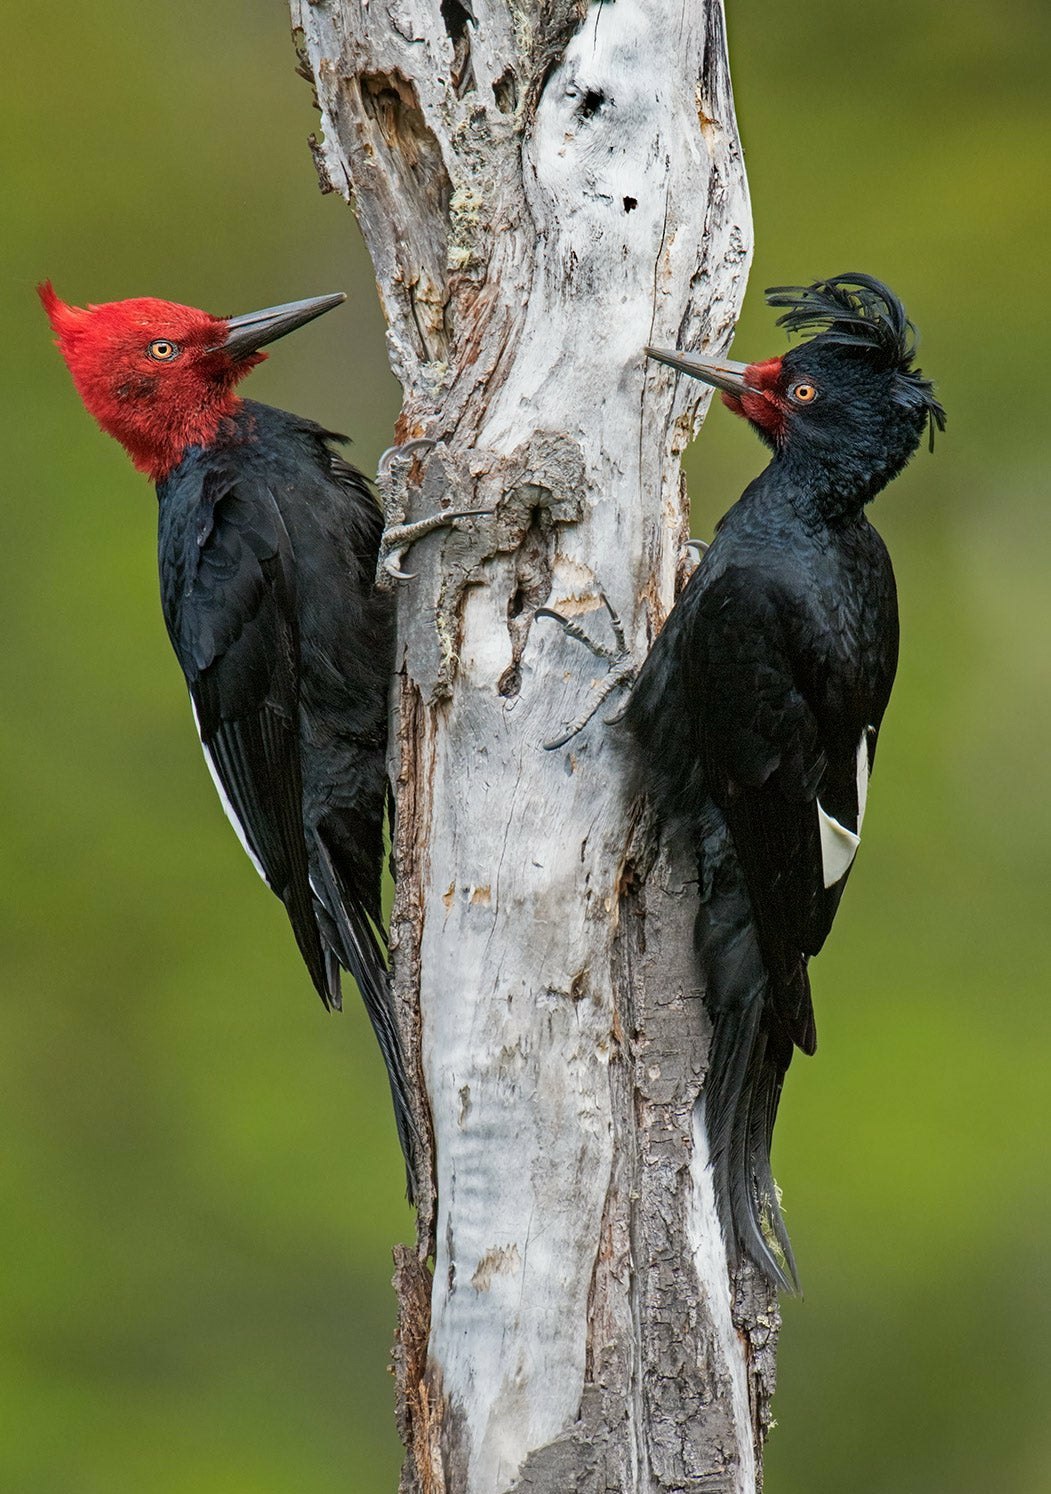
615	680
402	537
615	623
391	566
396	453
576	632
621	671
557	742
571	629
622	710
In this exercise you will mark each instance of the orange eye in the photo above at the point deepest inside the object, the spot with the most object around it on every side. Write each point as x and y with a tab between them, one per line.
163	351
804	394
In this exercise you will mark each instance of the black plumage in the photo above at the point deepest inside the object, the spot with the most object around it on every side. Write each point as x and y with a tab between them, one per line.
268	544
754	721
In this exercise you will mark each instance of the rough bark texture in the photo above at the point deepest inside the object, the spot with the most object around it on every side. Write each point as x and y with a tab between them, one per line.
545	186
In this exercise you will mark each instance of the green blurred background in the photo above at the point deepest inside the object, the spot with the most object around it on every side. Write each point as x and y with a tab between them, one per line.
200	1183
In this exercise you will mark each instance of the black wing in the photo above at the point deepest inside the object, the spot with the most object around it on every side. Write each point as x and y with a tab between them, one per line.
744	739
764	762
228	592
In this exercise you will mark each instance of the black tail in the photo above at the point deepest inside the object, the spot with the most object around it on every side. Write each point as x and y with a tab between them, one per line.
746	1070
750	1054
358	950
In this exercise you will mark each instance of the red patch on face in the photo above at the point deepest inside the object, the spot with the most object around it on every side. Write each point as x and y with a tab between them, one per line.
154	409
761	401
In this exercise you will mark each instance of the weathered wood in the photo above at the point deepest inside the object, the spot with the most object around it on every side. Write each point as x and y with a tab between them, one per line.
545	187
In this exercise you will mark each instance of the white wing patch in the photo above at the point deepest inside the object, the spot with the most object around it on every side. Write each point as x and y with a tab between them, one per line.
839	845
228	808
863	775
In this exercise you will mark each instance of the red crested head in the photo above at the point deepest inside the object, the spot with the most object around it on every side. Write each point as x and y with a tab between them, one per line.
160	376
154	374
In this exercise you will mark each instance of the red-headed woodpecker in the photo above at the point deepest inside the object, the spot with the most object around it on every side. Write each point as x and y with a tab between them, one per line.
268	546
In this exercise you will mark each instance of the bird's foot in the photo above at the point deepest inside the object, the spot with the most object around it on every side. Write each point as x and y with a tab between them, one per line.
621	668
399	538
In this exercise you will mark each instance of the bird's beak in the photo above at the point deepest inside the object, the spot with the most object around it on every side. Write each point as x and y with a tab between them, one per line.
719	372
245	334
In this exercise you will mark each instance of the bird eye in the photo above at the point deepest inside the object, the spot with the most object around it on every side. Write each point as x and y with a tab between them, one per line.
804	394
162	351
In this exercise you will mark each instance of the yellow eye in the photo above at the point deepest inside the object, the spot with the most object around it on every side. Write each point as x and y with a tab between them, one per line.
804	394
163	351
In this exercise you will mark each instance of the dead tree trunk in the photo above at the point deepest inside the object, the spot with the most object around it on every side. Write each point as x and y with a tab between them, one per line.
545	186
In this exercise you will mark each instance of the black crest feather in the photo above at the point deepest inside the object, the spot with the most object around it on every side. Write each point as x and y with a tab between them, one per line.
858	311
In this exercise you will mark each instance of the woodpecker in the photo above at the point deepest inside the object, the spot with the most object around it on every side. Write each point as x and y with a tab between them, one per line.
268	542
753	723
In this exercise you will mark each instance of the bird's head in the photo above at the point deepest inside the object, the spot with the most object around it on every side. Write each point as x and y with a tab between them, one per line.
845	409
160	377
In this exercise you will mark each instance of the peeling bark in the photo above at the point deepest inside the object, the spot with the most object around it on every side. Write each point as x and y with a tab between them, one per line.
545	186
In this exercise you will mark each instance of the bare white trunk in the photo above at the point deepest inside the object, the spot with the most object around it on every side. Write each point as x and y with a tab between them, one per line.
545	188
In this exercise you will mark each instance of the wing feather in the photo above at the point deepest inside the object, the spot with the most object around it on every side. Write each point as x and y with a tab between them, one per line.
230	606
764	763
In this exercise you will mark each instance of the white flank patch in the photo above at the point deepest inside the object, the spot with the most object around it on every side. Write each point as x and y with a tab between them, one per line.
713	1278
838	847
863	775
228	808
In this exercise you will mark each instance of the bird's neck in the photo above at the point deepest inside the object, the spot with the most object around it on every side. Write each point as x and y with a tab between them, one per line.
831	493
157	438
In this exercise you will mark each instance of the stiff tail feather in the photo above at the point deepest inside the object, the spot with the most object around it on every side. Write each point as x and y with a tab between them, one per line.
750	1053
746	1069
358	951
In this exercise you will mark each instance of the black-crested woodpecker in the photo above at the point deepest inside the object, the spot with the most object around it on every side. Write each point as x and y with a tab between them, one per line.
753	723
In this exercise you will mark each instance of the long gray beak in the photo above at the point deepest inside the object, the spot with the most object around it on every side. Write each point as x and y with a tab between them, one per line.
719	372
245	334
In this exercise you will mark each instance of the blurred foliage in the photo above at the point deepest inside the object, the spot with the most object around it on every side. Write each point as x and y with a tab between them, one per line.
199	1179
